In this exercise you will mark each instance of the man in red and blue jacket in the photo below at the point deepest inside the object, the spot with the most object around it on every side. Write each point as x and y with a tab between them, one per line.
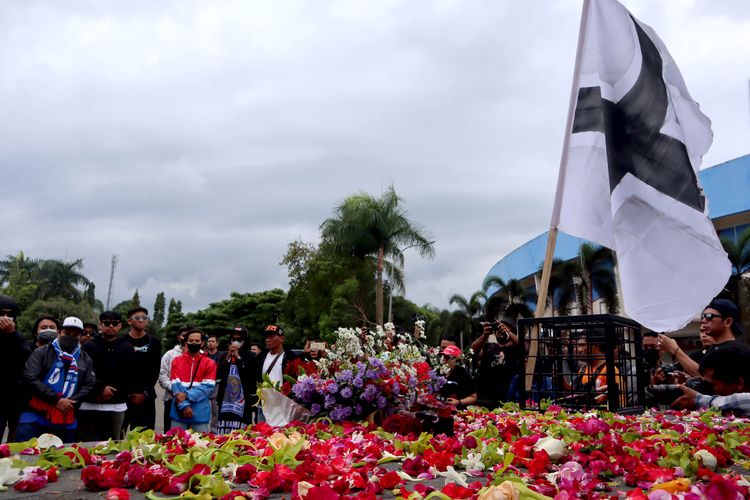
193	378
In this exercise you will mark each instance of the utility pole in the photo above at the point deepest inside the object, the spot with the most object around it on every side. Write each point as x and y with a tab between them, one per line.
111	280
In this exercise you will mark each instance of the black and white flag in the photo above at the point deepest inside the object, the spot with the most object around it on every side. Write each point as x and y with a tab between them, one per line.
629	180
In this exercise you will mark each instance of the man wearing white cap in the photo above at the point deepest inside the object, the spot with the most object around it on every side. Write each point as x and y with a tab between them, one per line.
58	376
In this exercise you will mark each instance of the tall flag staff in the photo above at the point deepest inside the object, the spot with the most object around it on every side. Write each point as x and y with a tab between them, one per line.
628	180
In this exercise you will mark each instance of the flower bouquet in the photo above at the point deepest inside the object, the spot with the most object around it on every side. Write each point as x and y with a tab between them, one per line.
362	374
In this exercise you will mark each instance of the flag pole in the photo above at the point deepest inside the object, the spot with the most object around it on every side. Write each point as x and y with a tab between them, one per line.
541	300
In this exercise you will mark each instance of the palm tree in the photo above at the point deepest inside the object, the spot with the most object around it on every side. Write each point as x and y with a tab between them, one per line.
18	265
510	298
597	274
57	278
563	285
738	252
469	310
366	226
575	281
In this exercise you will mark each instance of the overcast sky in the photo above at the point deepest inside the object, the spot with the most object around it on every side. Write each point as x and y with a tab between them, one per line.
195	140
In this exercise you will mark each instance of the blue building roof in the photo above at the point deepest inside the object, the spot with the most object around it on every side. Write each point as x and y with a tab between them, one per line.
727	187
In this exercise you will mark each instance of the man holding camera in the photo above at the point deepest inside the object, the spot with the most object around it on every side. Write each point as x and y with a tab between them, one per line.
720	321
725	373
496	352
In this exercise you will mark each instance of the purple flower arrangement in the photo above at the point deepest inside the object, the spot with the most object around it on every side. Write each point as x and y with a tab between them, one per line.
349	394
363	387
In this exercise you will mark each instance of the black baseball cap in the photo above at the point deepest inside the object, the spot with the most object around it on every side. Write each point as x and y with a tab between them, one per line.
273	330
110	316
240	330
728	309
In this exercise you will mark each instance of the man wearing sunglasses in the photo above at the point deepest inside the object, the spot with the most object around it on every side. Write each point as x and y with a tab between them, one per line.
102	414
720	321
147	361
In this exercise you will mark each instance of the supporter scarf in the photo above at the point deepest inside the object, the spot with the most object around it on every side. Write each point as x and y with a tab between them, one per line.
65	386
62	383
234	396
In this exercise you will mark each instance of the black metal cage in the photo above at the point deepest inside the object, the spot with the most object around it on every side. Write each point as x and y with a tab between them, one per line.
582	362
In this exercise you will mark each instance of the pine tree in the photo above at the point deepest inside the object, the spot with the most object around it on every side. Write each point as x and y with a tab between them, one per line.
136	300
159	306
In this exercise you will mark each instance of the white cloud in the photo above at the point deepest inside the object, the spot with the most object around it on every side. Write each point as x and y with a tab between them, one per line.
195	140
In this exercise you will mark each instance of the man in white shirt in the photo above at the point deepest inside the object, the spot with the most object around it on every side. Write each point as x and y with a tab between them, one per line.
274	360
164	373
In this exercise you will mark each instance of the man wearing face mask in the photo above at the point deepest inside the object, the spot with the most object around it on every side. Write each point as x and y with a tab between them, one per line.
100	417
59	376
165	372
14	351
45	330
193	380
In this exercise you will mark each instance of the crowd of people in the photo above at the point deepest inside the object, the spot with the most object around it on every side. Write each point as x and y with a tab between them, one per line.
86	382
92	382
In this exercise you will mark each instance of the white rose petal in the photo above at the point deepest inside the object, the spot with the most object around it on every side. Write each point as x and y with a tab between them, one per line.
451	476
707	458
8	473
47	440
554	447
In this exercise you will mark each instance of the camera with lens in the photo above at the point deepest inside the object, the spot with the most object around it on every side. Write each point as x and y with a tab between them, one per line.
499	331
667	393
671	368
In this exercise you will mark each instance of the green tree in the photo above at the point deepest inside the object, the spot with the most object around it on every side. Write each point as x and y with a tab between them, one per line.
469	310
175	321
574	282
136	300
738	252
254	311
563	285
17	273
123	308
510	298
57	278
160	305
327	289
173	310
597	274
56	306
366	226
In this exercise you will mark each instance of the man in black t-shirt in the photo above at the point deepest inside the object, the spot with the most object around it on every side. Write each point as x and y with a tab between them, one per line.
720	321
14	351
497	364
459	389
147	361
